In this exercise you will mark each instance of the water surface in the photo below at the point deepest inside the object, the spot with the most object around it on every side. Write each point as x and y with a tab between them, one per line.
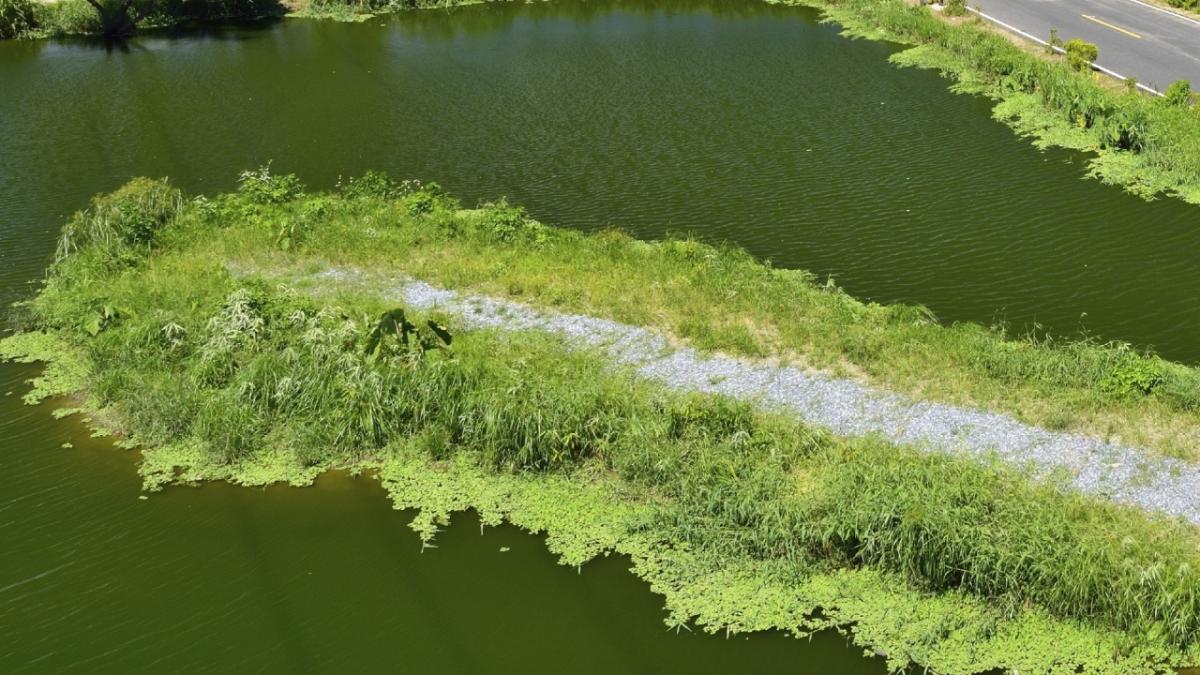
327	580
735	121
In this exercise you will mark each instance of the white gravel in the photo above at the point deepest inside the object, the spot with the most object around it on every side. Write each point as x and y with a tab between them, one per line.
1124	474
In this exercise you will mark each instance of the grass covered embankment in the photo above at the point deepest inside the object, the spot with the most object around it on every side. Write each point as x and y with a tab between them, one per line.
1143	144
743	520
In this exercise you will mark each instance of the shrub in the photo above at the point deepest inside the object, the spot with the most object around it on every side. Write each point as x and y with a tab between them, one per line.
123	224
293	228
66	17
209	10
505	222
1081	55
262	187
1178	94
373	184
16	18
1135	376
115	19
955	7
422	199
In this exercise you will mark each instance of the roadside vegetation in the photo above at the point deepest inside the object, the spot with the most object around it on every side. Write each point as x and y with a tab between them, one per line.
1081	55
166	316
1147	145
1190	5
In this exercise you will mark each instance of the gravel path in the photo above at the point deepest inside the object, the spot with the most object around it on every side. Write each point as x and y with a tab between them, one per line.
1123	474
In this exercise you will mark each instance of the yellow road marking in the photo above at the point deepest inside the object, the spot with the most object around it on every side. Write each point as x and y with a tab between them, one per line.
1109	25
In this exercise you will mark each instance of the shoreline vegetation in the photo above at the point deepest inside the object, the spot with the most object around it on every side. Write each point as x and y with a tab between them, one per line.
744	520
1145	145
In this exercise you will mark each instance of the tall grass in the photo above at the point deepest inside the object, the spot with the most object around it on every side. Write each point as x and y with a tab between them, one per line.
723	299
994	533
121	225
716	298
189	355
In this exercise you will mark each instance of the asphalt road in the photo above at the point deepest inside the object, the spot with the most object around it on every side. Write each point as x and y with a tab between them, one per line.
1135	40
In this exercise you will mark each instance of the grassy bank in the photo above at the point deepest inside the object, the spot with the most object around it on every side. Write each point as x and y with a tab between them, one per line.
717	299
1142	144
743	520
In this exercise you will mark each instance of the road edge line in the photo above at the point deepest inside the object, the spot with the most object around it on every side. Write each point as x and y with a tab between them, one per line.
1060	50
1164	10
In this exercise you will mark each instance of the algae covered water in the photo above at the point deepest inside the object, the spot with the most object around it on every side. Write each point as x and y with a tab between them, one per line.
735	121
226	579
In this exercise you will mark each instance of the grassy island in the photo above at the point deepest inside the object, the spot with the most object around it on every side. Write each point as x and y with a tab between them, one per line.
209	334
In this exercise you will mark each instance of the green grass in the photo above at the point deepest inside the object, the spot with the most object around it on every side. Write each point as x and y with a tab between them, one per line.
233	376
722	299
715	298
65	17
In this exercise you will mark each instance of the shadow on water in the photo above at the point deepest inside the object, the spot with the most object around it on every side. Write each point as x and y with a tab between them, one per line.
223	30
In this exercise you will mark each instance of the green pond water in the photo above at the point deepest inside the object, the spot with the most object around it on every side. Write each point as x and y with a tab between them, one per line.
734	121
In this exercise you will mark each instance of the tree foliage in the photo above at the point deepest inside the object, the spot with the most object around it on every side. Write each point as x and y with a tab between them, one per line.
16	18
1179	93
